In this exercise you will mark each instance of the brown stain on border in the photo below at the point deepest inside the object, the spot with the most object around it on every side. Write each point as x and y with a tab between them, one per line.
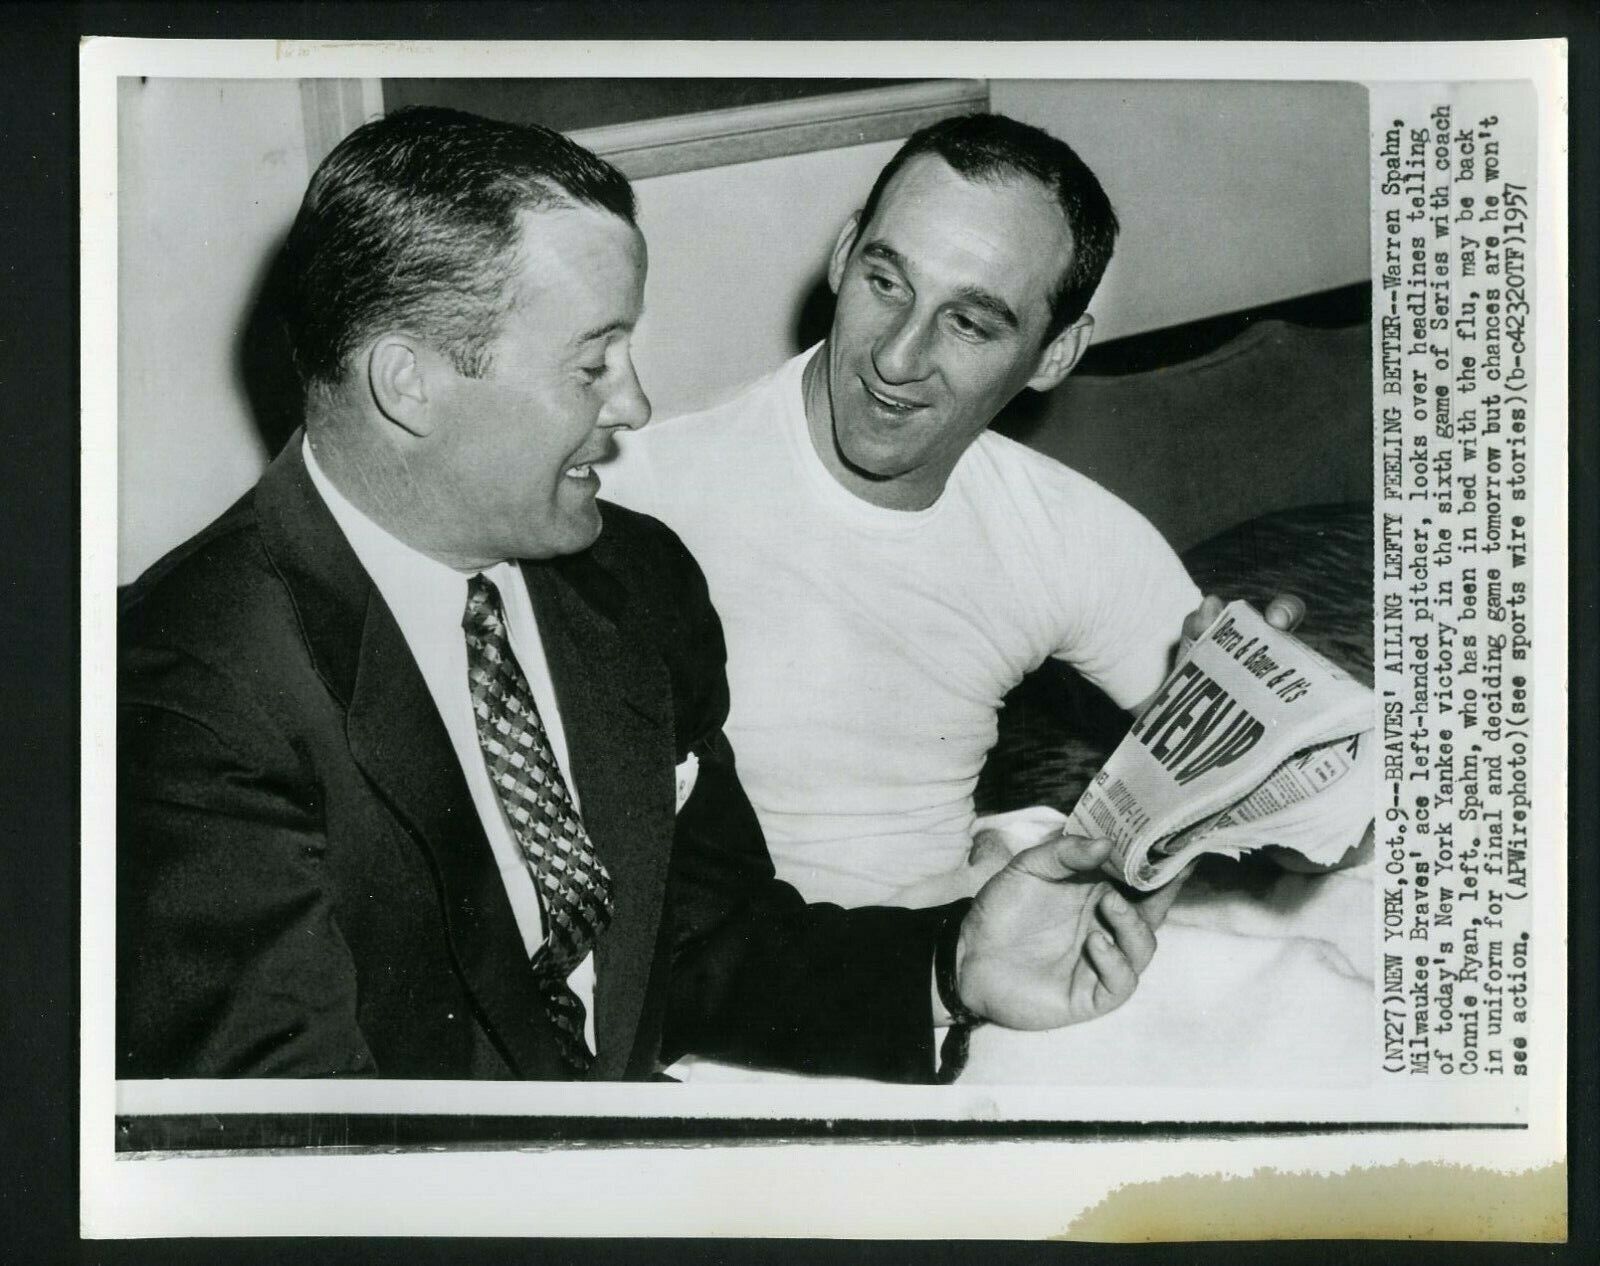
1429	1201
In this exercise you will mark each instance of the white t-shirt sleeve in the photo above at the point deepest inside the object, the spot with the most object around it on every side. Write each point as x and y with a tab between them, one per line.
1130	594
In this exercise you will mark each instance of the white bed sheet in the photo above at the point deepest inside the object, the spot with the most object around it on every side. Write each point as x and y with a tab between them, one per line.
1261	982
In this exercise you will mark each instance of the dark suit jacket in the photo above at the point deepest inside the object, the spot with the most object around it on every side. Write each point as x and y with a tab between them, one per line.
304	887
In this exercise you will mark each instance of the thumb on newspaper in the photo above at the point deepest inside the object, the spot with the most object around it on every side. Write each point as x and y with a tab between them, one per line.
1285	612
1154	905
1064	856
1068	856
1201	618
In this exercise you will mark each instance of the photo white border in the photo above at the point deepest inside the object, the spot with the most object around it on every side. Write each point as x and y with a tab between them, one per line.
943	1190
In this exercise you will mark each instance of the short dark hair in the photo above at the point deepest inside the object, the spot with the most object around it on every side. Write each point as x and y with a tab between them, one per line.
994	147
411	223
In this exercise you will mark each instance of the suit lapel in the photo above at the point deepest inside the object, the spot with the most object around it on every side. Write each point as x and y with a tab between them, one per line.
616	711
399	742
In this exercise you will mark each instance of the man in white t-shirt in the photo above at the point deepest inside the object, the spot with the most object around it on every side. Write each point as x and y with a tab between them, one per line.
885	566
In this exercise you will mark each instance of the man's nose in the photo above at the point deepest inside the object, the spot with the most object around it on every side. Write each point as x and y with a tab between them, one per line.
900	354
628	405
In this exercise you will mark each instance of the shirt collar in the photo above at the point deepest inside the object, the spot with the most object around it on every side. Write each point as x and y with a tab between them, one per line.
412	583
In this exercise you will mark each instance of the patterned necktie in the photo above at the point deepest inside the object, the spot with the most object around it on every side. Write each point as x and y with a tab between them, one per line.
574	888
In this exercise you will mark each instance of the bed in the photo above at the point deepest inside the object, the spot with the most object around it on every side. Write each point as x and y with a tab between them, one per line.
1256	460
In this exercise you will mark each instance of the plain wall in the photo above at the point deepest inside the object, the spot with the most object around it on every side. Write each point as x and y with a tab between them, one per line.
209	176
1231	195
734	254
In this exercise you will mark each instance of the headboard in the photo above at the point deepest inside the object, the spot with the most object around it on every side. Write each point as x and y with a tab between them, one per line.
1281	416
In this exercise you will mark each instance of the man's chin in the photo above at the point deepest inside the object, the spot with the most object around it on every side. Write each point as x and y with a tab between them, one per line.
868	461
580	538
571	534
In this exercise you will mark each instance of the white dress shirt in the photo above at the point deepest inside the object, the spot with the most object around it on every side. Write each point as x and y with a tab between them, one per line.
428	599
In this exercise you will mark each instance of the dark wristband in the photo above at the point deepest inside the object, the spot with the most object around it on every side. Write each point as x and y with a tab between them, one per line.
944	966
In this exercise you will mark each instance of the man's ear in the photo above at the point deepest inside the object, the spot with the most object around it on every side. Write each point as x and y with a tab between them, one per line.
397	376
841	251
1061	353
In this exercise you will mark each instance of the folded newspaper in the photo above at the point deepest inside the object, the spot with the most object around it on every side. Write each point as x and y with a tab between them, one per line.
1255	739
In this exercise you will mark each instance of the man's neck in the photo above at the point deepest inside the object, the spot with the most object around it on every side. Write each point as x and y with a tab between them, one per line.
889	493
382	487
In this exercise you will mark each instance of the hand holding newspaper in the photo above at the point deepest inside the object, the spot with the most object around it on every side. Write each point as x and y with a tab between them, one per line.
1254	739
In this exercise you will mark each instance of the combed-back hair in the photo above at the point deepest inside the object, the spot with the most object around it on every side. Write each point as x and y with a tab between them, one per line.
411	223
992	147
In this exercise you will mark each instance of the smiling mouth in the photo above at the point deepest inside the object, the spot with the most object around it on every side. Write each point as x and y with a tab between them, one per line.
583	472
889	402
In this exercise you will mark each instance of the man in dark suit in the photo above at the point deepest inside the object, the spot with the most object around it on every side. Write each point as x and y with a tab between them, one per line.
421	771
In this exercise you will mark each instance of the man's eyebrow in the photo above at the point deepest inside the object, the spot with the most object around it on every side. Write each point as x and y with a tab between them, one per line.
993	304
603	331
886	254
973	296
